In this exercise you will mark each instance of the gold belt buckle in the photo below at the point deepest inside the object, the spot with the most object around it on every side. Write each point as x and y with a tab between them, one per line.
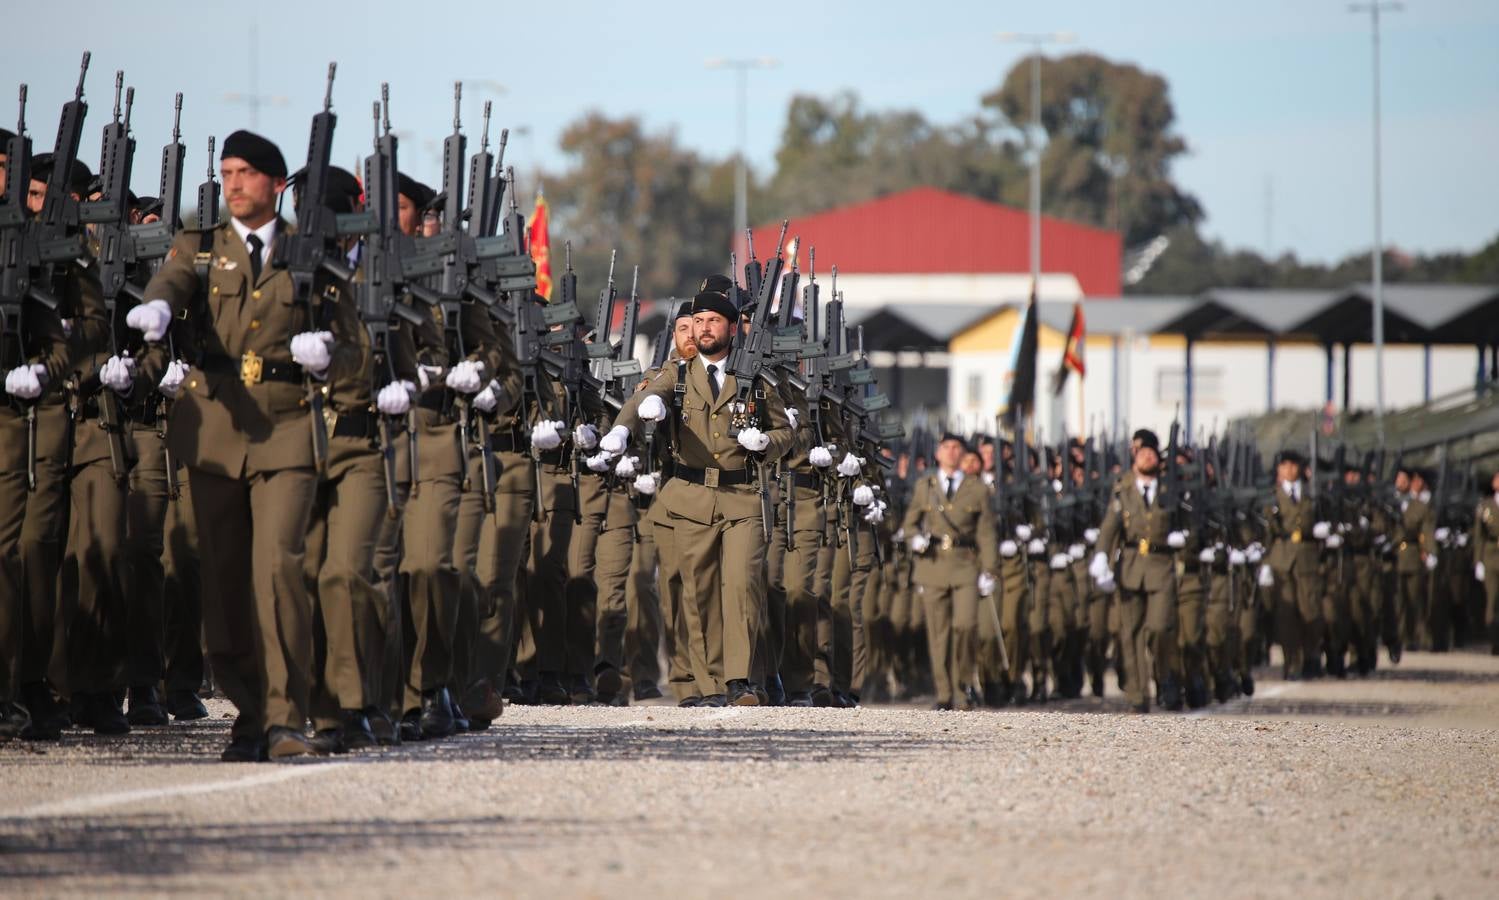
946	542
250	368
1296	536
710	478
1144	547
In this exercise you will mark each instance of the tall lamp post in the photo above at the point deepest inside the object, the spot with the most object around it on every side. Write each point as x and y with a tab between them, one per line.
741	68
1374	10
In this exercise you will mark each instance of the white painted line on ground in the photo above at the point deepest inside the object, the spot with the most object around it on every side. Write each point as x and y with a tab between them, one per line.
92	803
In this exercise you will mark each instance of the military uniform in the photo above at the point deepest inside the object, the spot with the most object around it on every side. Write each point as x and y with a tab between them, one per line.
242	428
1146	579
1294	558
1484	539
1412	536
962	545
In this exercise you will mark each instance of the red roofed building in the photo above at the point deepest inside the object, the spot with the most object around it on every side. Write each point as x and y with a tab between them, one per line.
927	231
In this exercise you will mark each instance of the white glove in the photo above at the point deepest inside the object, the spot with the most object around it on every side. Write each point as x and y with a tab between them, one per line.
820	457
171	380
1208	556
1236	557
645	484
1334	541
863	496
900	536
599	462
1462	539
876	513
1254	553
310	350
1431	562
753	440
395	398
1091	536
1099	567
1442	534
586	437
850	466
1036	547
425	374
544	436
986	584
616	439
1363	521
1107	585
1176	540
919	543
1008	548
486	400
1076	552
1059	561
466	377
1023	532
1267	577
627	466
152	318
1478	572
118	374
652	408
1321	530
793	415
25	382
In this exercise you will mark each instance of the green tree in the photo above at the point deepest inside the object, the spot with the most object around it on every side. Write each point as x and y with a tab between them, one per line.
661	206
1109	144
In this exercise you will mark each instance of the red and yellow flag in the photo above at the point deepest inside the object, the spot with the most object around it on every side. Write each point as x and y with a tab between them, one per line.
540	244
1072	354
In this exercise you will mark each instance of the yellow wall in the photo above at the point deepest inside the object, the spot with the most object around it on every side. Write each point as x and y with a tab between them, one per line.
996	333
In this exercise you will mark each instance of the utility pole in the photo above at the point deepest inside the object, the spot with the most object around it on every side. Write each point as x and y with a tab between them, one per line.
1033	137
1374	10
741	69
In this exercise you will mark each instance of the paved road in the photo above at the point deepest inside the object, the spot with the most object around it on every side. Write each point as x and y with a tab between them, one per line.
1382	787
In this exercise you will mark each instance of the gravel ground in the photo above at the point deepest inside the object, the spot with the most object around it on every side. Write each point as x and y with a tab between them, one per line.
1383	787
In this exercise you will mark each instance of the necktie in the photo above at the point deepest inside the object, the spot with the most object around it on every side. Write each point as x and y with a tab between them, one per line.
1149	494
713	379
950	488
255	244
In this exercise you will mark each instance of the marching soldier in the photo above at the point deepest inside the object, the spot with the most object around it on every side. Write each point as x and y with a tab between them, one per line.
1294	566
950	529
1485	543
241	427
1137	528
711	500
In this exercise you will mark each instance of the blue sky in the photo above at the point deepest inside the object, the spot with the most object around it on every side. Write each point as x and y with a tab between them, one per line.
1274	97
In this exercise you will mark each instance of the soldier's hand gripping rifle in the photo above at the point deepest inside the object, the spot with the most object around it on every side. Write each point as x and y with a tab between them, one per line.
313	254
750	360
381	294
117	266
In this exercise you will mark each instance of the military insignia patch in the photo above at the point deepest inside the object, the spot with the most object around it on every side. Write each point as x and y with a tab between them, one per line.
225	264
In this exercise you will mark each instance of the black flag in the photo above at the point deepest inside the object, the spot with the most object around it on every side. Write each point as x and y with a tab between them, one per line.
1023	387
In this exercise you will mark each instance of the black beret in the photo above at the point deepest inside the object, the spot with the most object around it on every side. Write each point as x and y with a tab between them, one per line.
1293	456
1147	438
953	436
419	194
6	134
78	182
685	310
146	205
260	153
984	440
713	301
716	282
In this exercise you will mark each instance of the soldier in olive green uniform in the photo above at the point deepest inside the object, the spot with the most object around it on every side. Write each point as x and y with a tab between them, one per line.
1294	564
1484	540
1137	529
711	500
949	526
241	426
1414	541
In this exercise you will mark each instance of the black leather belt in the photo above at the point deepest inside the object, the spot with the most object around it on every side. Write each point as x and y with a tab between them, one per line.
947	543
805	480
437	404
714	477
358	423
262	369
552	458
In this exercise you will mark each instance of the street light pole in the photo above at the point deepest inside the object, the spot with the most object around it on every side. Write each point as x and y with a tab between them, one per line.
1374	9
741	69
1036	42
